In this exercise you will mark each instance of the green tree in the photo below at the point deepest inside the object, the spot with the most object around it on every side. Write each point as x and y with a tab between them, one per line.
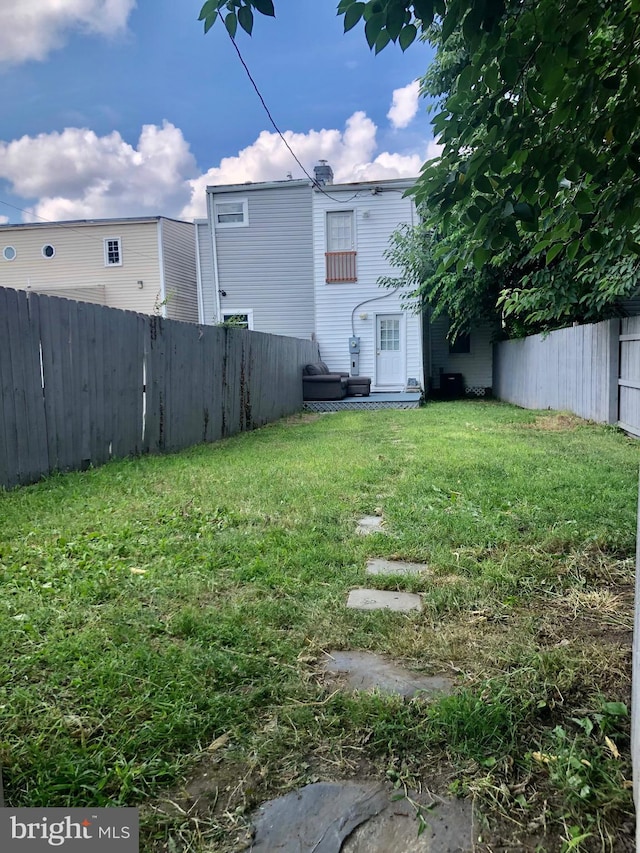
540	122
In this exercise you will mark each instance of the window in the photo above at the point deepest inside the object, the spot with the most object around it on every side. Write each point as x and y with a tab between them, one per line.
238	319
340	255
112	252
9	253
48	251
340	231
390	335
461	345
232	214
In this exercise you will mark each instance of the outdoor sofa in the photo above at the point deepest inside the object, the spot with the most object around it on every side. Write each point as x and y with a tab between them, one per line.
318	383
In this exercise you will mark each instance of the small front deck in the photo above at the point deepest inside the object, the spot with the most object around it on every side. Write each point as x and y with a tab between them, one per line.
376	400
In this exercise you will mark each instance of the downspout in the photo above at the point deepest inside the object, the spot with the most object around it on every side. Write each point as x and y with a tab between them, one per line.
214	255
163	289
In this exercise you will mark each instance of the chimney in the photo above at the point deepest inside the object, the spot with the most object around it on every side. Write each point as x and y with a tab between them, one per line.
323	173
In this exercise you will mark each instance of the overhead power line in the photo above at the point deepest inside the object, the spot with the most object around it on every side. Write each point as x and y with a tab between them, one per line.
314	181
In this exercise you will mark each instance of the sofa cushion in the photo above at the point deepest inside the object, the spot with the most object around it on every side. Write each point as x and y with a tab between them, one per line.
318	368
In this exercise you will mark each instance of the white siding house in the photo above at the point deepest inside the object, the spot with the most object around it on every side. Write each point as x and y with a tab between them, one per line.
303	258
144	264
255	257
352	224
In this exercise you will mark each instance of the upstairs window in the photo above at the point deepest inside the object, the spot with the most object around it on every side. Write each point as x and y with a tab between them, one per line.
340	231
113	252
232	214
341	254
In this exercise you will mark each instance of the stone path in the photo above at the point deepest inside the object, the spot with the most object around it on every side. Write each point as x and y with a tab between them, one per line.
449	828
367	671
365	817
378	566
317	818
370	524
380	599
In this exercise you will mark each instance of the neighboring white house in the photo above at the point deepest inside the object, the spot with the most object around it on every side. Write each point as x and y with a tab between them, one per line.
303	258
255	257
144	264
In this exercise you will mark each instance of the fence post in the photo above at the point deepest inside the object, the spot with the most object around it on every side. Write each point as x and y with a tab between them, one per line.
635	689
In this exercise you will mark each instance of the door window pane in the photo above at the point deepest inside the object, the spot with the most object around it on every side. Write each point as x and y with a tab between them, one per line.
390	335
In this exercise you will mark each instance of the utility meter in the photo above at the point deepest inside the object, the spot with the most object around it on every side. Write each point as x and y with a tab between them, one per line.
354	351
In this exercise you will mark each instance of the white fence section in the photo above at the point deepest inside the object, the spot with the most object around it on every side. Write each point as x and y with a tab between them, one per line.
574	369
629	381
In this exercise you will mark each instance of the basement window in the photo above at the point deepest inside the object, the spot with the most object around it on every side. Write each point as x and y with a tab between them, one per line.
238	319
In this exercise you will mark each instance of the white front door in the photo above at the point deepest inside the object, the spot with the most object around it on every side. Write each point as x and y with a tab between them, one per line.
390	351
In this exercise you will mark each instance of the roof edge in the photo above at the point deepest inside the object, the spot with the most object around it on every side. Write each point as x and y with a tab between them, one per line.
74	223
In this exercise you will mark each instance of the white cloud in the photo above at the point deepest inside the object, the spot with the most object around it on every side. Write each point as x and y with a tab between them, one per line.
31	29
349	152
77	174
4	220
404	106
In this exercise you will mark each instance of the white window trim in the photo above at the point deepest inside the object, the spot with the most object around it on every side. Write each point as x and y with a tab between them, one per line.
234	311
245	213
106	251
15	253
48	257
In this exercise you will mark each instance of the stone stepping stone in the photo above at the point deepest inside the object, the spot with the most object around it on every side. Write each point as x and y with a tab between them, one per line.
317	817
370	524
378	599
449	829
360	817
367	671
379	566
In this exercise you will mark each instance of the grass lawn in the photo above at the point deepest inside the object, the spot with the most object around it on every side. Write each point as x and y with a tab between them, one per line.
163	624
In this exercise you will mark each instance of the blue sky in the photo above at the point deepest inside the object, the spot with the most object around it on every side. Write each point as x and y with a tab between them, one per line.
125	108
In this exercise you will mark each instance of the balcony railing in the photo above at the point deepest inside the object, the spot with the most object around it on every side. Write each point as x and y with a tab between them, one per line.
341	266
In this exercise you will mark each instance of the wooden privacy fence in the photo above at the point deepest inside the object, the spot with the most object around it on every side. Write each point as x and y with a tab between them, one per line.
591	370
81	384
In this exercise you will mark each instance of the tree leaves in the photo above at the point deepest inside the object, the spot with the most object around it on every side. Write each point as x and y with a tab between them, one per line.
352	15
407	36
265	7
238	12
385	21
